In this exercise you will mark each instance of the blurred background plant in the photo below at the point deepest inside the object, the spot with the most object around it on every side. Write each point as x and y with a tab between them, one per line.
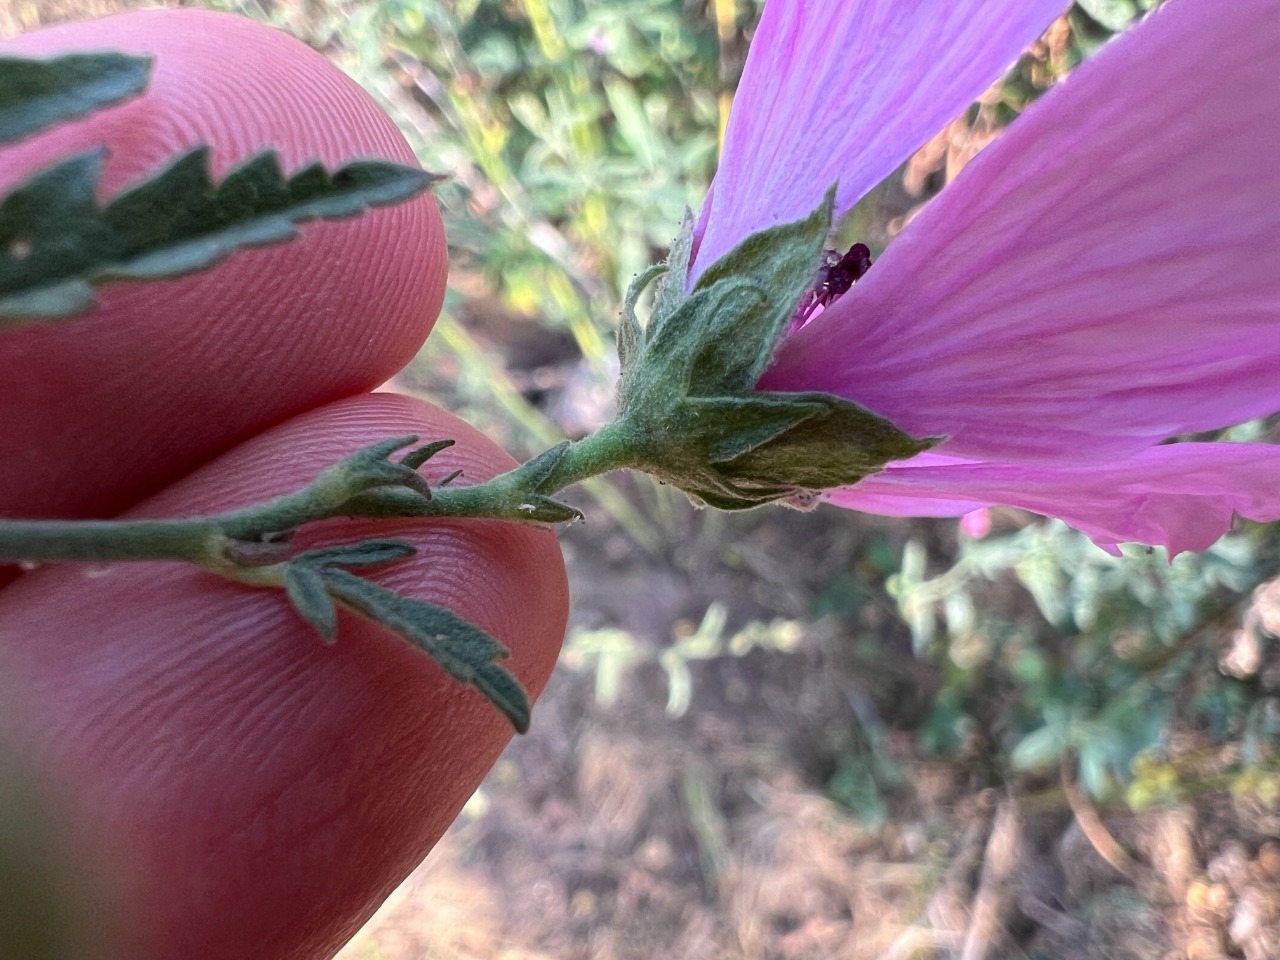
575	135
775	734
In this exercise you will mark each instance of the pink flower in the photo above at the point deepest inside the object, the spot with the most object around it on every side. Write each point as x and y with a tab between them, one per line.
1103	277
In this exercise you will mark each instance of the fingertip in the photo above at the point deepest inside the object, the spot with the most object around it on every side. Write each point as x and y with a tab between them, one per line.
216	78
161	376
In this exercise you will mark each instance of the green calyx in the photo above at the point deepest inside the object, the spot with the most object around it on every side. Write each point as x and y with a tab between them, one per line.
687	398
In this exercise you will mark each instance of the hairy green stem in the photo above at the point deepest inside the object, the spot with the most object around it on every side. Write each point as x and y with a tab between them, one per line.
513	496
364	485
611	448
38	541
210	541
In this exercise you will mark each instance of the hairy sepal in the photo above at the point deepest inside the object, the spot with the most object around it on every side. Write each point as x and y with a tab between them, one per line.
317	581
687	391
671	292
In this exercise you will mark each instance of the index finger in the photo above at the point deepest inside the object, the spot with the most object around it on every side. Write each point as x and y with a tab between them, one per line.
101	410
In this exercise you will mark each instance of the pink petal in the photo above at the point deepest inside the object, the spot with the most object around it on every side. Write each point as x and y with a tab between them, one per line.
904	489
1105	275
846	90
976	523
1180	495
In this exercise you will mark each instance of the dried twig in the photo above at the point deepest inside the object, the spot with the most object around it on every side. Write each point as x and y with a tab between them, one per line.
1095	831
995	897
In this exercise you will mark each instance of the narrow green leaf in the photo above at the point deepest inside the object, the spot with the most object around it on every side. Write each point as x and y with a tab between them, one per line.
35	94
370	553
465	651
307	592
416	458
55	240
633	123
370	467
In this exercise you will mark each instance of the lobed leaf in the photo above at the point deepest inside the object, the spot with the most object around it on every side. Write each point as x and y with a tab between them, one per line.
466	652
306	590
35	94
369	553
371	467
56	243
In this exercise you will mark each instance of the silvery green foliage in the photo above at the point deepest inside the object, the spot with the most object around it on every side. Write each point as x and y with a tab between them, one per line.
1117	658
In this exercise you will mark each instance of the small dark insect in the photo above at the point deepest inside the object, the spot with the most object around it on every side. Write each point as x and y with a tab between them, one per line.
837	274
834	278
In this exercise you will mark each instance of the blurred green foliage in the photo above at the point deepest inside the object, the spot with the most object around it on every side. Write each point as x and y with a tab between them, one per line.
1111	15
575	133
1096	665
596	122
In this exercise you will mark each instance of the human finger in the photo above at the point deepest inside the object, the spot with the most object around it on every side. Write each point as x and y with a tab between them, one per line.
248	791
102	409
